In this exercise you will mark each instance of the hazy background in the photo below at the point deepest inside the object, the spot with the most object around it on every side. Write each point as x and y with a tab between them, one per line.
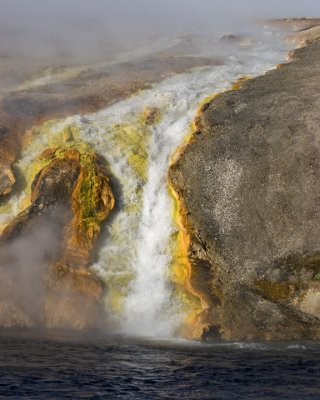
39	34
55	27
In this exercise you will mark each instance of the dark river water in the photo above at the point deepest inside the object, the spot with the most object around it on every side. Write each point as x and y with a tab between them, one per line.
59	365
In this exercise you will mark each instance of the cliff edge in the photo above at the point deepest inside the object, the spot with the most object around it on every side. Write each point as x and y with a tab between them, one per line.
249	182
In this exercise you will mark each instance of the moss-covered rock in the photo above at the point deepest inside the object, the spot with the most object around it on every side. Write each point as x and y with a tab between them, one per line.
70	198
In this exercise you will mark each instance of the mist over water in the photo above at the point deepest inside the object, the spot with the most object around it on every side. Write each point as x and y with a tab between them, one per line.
23	271
64	367
52	34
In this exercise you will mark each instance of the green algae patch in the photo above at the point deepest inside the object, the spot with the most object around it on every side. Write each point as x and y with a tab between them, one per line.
92	197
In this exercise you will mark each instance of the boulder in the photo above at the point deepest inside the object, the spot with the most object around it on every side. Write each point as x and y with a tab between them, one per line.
249	182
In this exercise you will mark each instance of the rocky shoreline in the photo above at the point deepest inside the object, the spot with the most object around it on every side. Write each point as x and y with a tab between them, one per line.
249	184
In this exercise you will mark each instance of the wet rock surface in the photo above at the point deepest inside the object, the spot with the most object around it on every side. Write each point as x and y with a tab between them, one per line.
249	184
46	249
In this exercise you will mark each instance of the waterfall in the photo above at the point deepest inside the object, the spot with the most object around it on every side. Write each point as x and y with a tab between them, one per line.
134	259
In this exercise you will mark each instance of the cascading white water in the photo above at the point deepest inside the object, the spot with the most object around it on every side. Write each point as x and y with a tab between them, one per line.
148	307
134	260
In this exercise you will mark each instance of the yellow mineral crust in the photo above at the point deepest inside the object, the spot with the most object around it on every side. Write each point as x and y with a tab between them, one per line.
193	327
133	141
91	200
183	272
240	81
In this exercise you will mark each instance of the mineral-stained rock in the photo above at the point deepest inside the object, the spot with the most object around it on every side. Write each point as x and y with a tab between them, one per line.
250	184
46	249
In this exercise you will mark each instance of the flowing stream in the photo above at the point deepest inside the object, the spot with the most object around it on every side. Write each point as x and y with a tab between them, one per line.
136	249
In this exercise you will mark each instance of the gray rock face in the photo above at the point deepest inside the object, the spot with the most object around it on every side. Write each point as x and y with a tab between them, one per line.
250	183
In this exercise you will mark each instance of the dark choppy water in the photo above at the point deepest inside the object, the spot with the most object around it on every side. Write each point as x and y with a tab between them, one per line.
63	366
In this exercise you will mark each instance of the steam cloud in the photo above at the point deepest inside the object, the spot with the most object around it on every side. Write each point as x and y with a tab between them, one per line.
96	29
23	266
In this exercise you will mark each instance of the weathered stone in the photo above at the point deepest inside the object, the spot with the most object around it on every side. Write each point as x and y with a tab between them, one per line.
250	184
